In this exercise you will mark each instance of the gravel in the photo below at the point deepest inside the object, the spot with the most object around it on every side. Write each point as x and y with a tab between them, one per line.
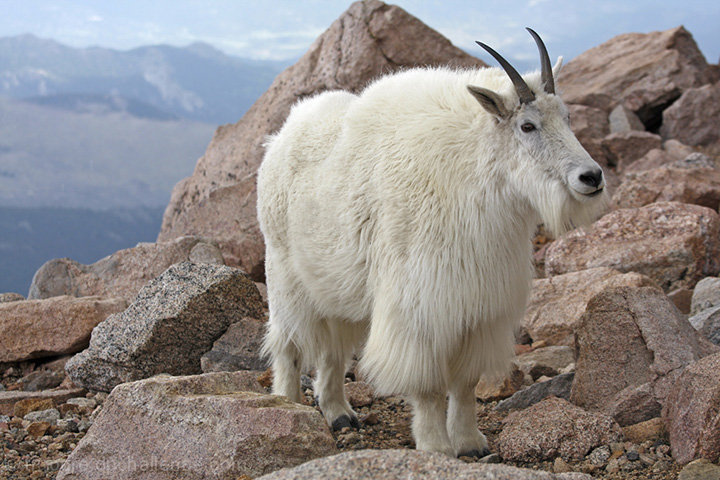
385	425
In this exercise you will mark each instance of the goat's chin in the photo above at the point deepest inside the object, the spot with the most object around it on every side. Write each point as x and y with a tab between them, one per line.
562	210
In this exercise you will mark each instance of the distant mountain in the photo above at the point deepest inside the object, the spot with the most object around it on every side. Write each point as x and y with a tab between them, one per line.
197	82
100	104
94	152
31	236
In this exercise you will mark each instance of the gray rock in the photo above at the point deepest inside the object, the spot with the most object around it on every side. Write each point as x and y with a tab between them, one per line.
695	160
558	386
705	295
546	361
214	425
174	320
42	380
408	464
707	322
702	469
50	415
622	119
237	349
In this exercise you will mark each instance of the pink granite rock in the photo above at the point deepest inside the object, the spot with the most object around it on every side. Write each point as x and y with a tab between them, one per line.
554	428
186	427
691	411
675	244
32	329
631	345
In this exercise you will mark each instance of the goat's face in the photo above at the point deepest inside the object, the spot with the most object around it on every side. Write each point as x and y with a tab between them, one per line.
548	164
546	145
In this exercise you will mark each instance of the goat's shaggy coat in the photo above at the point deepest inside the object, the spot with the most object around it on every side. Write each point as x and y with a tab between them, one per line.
398	222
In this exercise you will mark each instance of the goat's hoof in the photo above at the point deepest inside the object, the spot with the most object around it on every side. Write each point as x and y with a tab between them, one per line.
345	421
476	453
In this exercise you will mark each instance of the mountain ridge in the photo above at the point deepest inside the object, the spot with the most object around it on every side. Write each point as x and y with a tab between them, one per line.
198	82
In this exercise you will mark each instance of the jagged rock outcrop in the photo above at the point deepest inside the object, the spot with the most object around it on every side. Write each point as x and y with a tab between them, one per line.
643	72
121	274
218	200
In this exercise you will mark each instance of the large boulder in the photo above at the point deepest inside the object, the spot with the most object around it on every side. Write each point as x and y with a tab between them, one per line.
684	182
557	303
32	329
173	321
369	39
693	118
631	345
675	244
121	274
691	411
554	428
408	465
205	426
643	72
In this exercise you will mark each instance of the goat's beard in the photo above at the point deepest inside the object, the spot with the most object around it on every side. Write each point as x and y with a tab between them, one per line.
560	211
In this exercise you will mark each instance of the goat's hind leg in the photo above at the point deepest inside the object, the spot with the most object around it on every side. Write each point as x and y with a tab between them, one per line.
465	437
428	425
286	364
340	341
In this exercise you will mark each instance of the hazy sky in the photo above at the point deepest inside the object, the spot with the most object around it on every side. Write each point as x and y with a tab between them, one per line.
284	29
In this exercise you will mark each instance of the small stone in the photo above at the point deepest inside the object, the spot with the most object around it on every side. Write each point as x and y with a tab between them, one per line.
266	378
561	466
84	425
633	456
23	407
42	380
653	429
38	429
50	415
370	419
359	394
84	403
600	456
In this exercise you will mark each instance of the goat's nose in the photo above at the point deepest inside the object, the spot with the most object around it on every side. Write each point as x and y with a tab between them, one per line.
591	178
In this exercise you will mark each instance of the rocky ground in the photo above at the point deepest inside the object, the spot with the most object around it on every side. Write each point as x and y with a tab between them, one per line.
35	440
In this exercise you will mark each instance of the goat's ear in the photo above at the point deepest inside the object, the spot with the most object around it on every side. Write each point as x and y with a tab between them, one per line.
490	101
556	68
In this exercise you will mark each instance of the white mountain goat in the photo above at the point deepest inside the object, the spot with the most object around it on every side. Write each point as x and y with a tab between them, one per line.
398	223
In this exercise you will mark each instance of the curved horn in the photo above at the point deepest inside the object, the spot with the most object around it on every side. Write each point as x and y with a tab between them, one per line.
547	75
526	95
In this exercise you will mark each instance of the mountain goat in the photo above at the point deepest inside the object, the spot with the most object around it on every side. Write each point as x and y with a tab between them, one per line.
398	223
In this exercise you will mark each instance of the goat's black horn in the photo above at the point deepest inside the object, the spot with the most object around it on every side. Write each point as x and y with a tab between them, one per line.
547	75
526	95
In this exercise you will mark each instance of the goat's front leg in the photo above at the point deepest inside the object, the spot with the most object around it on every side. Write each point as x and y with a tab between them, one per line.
465	437
428	424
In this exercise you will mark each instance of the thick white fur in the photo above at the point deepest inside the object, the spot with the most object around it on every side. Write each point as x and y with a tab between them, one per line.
398	222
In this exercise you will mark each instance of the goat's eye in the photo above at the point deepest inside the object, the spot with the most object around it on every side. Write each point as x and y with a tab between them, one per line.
527	127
